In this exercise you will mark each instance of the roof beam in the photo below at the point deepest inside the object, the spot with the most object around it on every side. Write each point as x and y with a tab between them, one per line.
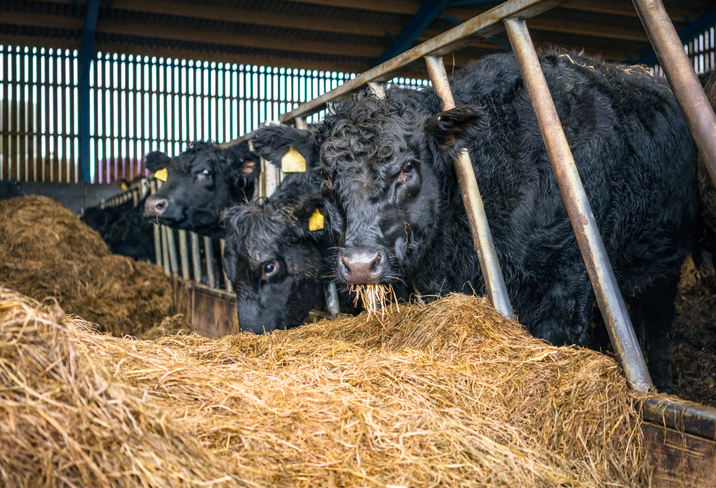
387	6
195	35
420	21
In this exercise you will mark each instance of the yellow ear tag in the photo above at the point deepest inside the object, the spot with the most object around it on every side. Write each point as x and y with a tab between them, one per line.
161	175
293	162
316	221
124	186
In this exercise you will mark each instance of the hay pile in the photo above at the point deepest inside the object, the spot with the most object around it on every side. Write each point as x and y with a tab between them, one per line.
46	251
444	394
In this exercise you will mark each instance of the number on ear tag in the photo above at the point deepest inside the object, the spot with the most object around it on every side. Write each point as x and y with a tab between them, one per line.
293	162
316	221
161	175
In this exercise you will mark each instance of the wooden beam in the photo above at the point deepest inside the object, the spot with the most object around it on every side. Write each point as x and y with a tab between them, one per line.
253	17
571	27
386	6
196	35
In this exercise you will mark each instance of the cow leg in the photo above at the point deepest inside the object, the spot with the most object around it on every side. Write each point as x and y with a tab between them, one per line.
652	313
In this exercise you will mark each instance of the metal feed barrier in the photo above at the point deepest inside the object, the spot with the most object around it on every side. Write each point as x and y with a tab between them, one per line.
512	16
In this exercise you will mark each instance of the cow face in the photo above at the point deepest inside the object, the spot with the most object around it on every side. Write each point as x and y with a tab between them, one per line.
201	182
386	165
275	261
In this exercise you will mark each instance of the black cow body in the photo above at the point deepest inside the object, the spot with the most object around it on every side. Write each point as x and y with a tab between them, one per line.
202	182
398	216
124	228
276	264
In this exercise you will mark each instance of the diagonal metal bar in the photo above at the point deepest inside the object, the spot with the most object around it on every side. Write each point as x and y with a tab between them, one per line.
479	227
686	87
416	26
484	25
580	213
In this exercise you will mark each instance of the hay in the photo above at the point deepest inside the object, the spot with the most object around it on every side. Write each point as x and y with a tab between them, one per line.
374	297
46	251
444	394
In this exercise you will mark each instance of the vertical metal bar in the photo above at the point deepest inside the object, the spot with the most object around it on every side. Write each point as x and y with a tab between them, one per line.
680	72
195	256
22	107
209	253
184	254
590	242
172	251
165	250
5	107
227	283
377	88
480	228
85	59
332	303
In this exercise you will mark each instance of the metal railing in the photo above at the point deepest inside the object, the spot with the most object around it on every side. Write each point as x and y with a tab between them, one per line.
511	16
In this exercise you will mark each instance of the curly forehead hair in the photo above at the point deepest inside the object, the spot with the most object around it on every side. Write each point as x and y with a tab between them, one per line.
253	224
196	150
369	127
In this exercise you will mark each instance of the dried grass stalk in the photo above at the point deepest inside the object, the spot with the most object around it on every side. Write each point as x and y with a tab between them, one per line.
374	297
448	394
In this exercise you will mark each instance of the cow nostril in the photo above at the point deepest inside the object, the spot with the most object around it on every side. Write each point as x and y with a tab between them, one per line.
362	266
160	205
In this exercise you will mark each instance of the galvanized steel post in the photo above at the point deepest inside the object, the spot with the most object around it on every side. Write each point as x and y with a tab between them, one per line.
590	242
195	256
183	254
209	253
480	228
682	78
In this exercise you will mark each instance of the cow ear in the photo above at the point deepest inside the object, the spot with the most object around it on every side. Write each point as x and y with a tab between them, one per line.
245	165
310	217
154	161
454	129
280	145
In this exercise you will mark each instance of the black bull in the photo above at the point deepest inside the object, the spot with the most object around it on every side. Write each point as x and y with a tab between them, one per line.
397	215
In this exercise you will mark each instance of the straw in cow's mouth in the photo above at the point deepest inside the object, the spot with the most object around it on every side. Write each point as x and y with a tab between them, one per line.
375	296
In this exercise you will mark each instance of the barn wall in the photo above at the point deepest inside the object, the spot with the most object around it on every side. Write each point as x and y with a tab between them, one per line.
138	104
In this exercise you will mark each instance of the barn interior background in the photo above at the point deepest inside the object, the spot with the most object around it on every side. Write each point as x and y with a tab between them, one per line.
227	66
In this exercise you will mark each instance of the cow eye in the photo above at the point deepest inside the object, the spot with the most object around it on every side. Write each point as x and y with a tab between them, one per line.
205	174
326	178
408	167
269	269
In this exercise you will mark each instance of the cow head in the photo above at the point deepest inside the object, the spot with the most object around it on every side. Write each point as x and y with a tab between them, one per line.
274	257
201	182
387	170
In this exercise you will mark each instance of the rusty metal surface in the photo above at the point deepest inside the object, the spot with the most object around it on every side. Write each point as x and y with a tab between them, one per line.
683	416
682	78
479	227
585	228
484	25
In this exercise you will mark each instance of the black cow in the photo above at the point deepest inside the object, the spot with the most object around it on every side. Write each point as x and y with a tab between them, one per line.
275	262
397	213
201	182
124	228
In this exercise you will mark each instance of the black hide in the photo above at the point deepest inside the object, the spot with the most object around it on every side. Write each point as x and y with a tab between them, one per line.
393	200
124	228
201	183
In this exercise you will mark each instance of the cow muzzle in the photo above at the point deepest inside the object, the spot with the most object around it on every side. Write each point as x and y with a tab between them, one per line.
155	207
362	266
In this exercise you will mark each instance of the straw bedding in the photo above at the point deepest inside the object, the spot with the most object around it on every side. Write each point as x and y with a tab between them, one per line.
46	251
444	394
